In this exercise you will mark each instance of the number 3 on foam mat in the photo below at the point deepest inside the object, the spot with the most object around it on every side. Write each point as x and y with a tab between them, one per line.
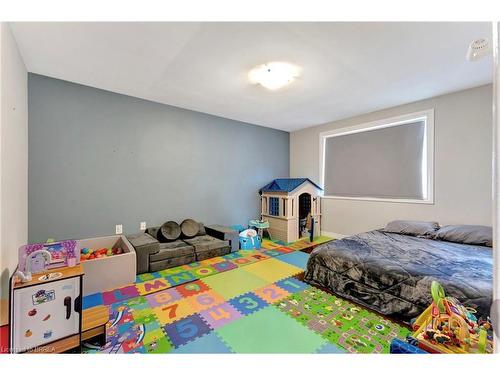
248	303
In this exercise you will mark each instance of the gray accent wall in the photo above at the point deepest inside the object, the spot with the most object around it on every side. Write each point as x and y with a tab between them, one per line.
97	159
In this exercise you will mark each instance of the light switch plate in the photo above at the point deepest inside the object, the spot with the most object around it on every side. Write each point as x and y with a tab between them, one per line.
143	225
119	229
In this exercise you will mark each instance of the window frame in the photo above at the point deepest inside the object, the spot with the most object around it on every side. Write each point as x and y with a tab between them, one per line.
427	116
272	206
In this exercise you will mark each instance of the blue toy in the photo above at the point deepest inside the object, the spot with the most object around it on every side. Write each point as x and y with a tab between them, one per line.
249	239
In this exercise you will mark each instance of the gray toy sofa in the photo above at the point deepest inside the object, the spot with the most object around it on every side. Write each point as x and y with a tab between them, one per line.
153	255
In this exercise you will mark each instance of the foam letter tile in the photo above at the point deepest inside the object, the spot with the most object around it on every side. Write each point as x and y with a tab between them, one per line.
285	249
203	271
191	289
173	270
186	329
232	256
119	294
151	286
180	278
220	315
147	277
163	297
271	293
224	266
212	261
241	261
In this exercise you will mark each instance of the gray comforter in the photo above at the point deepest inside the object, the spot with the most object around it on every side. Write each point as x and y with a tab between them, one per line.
392	273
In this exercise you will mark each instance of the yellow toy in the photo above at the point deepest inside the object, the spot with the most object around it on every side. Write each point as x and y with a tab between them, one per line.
447	326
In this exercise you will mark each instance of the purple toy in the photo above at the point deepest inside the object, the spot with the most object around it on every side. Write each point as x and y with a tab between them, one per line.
39	257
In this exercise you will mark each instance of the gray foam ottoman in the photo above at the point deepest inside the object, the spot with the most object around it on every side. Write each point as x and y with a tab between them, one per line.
171	254
224	233
144	246
206	247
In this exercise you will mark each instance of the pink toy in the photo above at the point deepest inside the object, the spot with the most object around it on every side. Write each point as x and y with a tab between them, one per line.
39	257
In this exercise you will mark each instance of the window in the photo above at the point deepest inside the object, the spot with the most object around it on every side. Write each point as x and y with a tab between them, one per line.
388	160
274	206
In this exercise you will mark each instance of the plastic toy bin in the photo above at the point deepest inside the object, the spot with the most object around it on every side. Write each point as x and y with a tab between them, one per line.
108	272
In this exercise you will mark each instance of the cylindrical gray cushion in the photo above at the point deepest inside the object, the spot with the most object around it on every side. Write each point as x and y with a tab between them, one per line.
169	231
189	228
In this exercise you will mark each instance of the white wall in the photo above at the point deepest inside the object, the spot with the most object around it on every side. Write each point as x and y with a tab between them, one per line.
14	152
462	166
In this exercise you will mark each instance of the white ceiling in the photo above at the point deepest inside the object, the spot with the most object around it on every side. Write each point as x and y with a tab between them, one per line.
348	68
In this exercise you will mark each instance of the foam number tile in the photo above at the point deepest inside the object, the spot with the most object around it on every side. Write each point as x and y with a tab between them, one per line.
163	297
248	303
169	313
291	285
205	300
186	329
271	293
191	289
220	315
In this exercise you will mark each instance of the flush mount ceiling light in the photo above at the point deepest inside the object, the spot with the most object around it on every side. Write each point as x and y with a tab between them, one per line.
274	75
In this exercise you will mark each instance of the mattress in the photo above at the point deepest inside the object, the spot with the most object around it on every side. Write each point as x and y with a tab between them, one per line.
392	273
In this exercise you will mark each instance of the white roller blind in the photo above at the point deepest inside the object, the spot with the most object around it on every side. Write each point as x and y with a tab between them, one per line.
380	163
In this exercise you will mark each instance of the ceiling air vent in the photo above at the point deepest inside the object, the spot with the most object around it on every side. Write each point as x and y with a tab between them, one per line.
478	49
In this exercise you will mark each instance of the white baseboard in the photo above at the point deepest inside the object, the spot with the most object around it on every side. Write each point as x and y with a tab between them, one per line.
333	235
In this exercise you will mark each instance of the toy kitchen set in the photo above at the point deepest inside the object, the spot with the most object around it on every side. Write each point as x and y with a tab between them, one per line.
45	298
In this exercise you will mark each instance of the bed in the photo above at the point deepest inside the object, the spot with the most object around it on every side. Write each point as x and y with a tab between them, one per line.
391	273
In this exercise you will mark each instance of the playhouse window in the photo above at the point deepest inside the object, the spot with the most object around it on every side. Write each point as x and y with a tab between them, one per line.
274	206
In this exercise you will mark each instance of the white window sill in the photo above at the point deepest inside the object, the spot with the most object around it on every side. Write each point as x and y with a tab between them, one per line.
388	200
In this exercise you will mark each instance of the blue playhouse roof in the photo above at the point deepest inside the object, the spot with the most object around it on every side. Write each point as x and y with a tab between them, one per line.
285	185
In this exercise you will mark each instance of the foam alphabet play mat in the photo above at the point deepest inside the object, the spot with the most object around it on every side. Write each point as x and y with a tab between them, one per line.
251	307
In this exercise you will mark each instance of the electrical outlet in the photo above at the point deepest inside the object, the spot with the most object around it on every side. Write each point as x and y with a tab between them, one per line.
119	229
143	225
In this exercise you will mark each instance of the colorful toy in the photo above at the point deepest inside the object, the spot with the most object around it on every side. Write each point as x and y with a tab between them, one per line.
39	257
89	254
286	204
249	239
447	326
